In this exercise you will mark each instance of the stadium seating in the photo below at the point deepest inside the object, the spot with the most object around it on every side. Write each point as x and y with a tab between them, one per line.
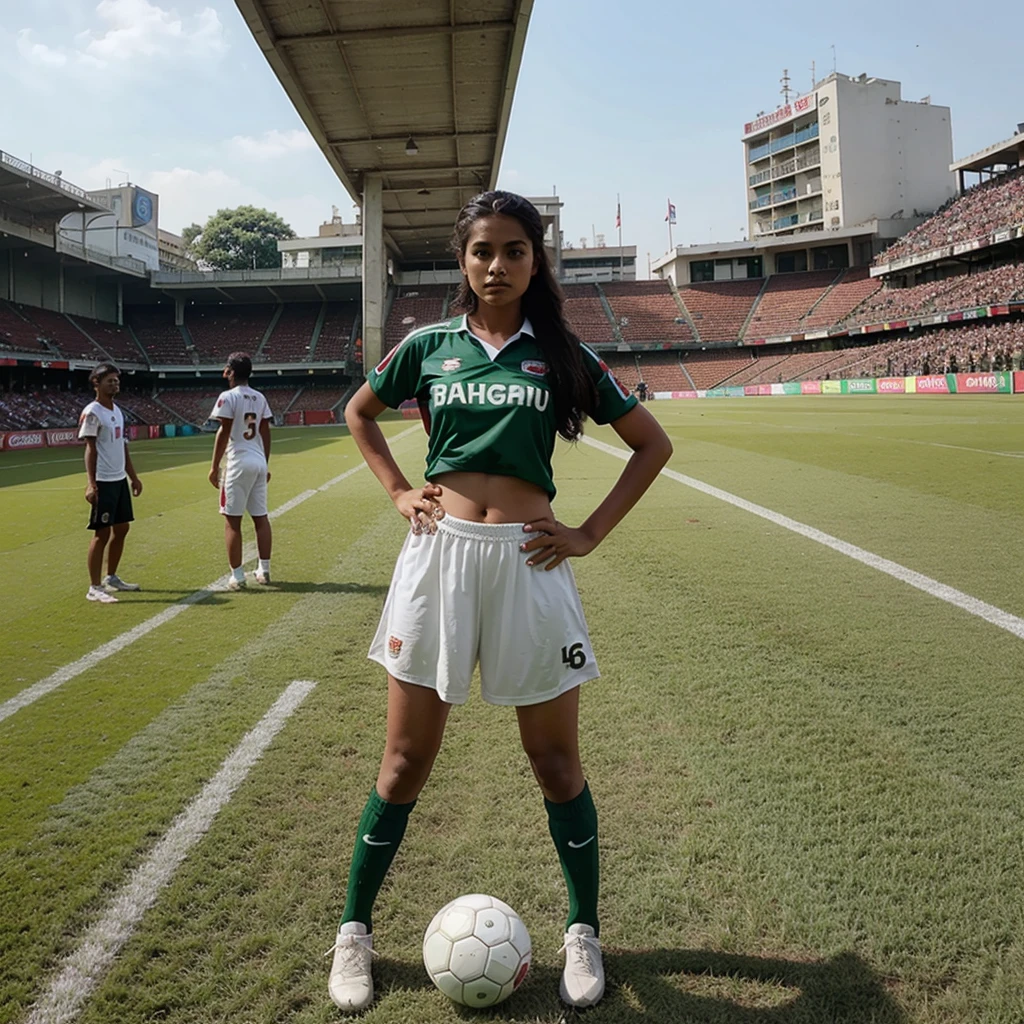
854	287
42	408
646	311
115	341
18	333
220	330
787	298
709	369
414	306
586	315
194	405
662	371
974	214
290	340
163	341
317	398
720	309
145	409
624	366
336	332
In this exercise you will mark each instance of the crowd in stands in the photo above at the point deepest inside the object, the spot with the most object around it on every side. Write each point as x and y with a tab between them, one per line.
49	408
976	213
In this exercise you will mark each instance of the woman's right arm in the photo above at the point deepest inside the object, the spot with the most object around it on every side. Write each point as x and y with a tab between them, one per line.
420	505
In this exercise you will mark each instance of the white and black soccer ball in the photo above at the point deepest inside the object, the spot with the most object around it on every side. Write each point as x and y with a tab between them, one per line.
477	950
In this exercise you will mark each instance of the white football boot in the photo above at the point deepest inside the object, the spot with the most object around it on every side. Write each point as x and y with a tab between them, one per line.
583	978
351	982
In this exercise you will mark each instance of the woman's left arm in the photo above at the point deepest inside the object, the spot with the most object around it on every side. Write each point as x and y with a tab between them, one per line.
651	450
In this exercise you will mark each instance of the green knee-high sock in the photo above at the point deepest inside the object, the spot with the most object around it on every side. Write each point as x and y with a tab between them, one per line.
380	831
573	827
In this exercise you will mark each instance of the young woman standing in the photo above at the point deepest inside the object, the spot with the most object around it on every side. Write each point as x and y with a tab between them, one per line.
484	565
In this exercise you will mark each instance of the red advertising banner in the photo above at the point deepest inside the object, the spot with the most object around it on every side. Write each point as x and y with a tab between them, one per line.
750	389
810	387
892	386
319	416
24	439
1018	382
978	383
154	430
936	384
62	438
293	419
764	389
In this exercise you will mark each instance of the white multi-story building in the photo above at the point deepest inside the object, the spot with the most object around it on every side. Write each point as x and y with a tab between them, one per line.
849	152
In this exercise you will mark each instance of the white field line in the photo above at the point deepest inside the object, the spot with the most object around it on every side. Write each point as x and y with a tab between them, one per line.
81	971
32	693
990	613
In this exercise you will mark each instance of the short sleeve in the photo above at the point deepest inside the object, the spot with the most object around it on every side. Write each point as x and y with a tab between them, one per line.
268	413
224	406
396	378
88	424
613	400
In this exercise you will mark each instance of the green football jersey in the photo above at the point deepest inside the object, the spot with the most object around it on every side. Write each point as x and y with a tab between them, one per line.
486	415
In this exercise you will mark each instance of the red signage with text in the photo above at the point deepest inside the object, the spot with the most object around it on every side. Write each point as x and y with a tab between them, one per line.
810	387
18	439
935	384
892	386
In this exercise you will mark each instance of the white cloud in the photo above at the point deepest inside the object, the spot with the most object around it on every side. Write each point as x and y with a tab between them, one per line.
39	53
272	144
138	28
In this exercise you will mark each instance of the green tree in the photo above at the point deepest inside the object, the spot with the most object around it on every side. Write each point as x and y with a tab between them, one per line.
241	239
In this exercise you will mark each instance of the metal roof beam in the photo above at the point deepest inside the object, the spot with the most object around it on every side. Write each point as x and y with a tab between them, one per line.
370	34
405	172
416	135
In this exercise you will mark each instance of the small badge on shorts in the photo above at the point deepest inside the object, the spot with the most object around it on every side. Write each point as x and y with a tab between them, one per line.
451	364
394	646
105	518
535	367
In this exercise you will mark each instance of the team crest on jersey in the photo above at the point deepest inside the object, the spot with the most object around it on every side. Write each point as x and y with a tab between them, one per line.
535	367
451	364
394	646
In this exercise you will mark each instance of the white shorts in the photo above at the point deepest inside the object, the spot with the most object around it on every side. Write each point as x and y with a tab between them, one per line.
244	489
466	595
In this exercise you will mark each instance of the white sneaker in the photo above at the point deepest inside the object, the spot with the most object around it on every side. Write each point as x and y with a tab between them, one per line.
262	578
351	982
236	584
583	978
99	594
114	582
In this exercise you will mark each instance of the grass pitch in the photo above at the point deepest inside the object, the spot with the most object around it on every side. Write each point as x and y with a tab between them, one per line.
808	773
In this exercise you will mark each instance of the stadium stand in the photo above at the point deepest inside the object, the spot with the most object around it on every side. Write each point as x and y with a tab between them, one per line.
336	333
709	369
220	330
720	309
646	311
145	409
760	370
786	299
41	408
317	398
972	215
586	314
292	335
63	335
194	405
163	342
18	333
116	341
414	306
854	287
624	366
662	371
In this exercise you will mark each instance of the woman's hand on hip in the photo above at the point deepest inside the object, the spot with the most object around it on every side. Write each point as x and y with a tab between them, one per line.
422	507
554	543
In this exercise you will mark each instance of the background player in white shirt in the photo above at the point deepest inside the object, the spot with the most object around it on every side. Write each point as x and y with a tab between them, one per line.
108	468
244	434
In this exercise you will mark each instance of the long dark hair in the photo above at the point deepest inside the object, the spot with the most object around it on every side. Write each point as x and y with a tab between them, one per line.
573	393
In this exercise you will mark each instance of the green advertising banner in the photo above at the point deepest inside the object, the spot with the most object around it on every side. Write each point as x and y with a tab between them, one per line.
859	386
735	392
791	387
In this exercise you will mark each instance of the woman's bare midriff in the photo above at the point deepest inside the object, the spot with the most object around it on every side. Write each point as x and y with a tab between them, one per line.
489	498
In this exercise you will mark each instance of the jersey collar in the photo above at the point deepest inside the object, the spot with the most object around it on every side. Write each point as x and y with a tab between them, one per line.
527	328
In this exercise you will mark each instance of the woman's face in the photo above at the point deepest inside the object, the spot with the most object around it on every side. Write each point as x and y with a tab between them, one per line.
498	260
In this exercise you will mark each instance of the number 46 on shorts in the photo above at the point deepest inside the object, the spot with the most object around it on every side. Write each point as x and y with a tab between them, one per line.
574	656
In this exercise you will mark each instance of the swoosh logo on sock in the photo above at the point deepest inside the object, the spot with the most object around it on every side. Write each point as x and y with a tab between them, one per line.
370	841
575	846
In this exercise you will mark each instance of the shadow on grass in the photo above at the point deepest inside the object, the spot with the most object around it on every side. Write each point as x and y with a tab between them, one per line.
691	987
303	587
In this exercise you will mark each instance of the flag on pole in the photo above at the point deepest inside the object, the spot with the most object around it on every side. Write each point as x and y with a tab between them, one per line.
671	215
618	215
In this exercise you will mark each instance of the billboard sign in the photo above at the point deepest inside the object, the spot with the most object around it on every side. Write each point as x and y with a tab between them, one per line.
982	383
933	384
892	386
24	439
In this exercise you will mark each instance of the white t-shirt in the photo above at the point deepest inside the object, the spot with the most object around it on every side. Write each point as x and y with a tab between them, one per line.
246	408
107	426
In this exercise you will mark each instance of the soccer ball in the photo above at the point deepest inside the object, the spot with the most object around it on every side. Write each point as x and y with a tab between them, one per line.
476	950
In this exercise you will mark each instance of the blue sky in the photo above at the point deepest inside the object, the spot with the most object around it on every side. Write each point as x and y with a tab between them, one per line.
643	99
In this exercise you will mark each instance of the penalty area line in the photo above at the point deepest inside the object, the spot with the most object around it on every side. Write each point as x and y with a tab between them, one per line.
68	672
989	612
82	969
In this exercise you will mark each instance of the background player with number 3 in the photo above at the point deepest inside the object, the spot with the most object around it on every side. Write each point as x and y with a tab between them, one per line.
482	576
244	433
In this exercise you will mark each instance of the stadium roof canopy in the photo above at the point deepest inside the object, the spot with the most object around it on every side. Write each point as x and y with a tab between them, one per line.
1003	154
45	196
419	93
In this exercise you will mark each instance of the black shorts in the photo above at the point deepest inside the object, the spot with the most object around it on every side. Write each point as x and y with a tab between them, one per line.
113	504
